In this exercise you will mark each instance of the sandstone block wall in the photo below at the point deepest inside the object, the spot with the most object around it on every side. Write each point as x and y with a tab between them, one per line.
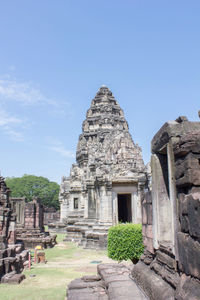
170	266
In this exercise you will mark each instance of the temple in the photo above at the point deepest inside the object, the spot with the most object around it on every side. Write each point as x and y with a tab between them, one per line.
106	184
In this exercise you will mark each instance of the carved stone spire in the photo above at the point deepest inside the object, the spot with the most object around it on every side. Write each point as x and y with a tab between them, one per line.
105	140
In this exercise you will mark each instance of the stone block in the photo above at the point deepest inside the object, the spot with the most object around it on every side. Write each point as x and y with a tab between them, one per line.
163	258
189	141
144	214
189	289
152	284
3	253
1	268
91	278
193	206
168	275
144	230
80	284
86	294
189	214
189	253
149	214
24	255
124	290
147	257
149	231
183	213
148	243
187	170
12	278
148	197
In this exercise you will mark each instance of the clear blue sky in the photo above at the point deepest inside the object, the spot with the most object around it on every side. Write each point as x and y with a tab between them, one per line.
54	55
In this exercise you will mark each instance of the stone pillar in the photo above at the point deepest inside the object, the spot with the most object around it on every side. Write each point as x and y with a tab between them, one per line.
63	211
162	210
115	208
91	202
173	197
30	215
147	222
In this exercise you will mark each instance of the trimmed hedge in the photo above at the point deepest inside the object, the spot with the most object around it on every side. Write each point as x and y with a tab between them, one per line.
125	242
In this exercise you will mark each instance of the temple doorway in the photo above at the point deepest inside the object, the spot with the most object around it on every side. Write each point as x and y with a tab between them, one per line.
124	208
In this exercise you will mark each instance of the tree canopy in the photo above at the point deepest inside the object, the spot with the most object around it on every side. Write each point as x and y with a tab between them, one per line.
30	186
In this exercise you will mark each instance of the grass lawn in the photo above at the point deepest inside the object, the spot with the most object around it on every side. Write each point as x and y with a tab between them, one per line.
65	262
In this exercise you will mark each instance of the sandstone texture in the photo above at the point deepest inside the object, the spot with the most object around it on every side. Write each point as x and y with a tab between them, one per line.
106	184
12	255
30	224
170	265
113	282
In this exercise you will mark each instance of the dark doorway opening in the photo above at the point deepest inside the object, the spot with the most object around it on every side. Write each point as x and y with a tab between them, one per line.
124	208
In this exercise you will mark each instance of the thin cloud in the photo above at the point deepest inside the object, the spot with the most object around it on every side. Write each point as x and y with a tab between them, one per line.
15	135
6	119
62	151
14	93
26	94
8	124
22	92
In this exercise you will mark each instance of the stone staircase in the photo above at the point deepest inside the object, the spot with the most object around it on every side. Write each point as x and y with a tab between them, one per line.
88	234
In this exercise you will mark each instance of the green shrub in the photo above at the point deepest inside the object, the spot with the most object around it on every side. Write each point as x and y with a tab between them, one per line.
125	242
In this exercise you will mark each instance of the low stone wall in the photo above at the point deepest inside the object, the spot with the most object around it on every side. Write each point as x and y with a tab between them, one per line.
51	215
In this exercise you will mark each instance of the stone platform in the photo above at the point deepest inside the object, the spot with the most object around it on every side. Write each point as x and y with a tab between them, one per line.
113	282
34	237
88	234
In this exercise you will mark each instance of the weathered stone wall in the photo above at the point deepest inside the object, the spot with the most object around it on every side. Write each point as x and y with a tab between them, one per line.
7	217
13	257
34	215
170	266
30	223
51	215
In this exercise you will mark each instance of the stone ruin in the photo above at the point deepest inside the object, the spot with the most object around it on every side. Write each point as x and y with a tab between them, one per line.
106	184
113	282
51	215
13	257
169	269
170	266
30	223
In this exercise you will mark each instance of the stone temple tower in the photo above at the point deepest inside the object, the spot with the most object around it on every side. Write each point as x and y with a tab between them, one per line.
106	183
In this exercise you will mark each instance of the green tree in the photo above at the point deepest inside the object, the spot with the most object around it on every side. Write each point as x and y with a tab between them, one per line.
30	186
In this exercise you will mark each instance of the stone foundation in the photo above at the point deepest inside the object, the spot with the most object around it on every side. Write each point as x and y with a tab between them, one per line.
88	234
